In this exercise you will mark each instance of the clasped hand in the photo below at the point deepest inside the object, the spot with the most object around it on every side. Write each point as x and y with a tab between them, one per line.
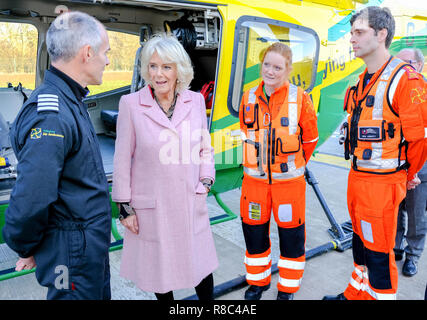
413	183
25	264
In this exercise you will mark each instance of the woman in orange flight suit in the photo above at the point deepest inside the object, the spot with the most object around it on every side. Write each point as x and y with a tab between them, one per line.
279	132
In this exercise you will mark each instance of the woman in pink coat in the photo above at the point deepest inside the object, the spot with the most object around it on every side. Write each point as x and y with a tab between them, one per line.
163	170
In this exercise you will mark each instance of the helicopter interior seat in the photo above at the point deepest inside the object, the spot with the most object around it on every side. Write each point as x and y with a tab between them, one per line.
13	98
109	117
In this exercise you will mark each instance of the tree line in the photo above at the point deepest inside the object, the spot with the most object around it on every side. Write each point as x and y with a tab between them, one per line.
18	49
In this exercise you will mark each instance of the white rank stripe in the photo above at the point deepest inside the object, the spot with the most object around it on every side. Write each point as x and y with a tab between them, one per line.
41	104
47	108
46	95
47	102
47	99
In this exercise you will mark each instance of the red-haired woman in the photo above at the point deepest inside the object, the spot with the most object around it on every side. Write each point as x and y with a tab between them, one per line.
279	131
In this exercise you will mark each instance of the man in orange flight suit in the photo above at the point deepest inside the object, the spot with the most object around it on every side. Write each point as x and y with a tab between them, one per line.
385	144
279	130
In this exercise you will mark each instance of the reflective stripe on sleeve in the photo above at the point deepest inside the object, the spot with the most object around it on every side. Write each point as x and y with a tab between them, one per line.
314	140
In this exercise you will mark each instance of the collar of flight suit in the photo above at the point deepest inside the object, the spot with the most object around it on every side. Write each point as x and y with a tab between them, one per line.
58	82
276	100
77	89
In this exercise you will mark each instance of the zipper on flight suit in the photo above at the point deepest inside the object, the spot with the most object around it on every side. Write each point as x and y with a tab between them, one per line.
269	153
268	141
353	131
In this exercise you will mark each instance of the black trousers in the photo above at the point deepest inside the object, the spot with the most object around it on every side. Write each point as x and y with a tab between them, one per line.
204	291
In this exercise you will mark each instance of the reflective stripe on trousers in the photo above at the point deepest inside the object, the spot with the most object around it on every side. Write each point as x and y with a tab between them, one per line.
359	282
258	276
258	268
263	261
290	274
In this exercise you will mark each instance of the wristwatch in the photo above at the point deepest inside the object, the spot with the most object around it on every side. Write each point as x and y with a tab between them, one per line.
125	211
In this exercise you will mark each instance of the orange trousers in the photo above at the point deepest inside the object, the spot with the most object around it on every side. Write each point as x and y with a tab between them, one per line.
287	201
373	203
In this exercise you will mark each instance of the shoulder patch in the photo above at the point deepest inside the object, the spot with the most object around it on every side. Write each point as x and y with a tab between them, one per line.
412	74
47	102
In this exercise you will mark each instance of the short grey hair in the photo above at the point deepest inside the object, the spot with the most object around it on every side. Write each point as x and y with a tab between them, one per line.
378	19
170	50
418	54
69	32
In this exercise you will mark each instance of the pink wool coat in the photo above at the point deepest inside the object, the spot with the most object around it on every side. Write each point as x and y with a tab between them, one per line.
158	164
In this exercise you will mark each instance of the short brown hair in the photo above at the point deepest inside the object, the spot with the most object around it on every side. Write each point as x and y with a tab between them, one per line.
378	19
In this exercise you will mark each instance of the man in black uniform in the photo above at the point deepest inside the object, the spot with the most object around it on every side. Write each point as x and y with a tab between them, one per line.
59	215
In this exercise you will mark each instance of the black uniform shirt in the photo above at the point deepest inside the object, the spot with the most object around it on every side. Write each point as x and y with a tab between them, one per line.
60	174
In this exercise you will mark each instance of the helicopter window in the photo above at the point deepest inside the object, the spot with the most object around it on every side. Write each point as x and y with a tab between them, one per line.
118	73
18	54
252	36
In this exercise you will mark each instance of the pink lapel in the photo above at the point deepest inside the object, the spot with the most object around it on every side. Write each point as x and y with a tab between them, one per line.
152	109
182	108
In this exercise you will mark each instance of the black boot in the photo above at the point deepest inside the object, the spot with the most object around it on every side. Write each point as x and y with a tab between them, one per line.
409	268
255	292
285	296
338	297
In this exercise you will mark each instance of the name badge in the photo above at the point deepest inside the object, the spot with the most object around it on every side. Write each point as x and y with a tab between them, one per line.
370	134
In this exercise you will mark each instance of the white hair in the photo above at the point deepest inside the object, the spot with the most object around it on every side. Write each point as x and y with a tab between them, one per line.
169	50
69	32
418	54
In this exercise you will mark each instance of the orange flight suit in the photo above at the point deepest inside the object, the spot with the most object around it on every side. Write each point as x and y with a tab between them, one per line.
280	135
386	148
